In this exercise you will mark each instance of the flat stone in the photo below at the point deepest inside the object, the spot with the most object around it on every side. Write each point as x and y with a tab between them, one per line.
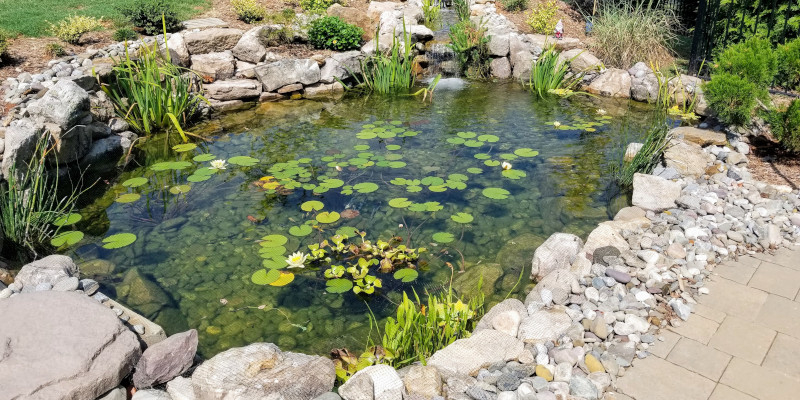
383	381
696	357
165	360
743	339
213	40
468	356
204	23
688	159
67	284
702	137
646	380
557	252
654	193
758	381
50	269
234	89
544	325
423	381
776	279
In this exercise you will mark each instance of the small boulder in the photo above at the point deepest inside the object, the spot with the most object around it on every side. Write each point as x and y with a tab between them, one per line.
687	158
612	82
423	381
557	252
500	67
654	193
702	137
468	356
65	105
373	383
214	66
286	72
166	359
234	89
50	269
213	40
544	325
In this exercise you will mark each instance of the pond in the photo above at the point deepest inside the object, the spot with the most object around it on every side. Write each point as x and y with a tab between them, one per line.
429	175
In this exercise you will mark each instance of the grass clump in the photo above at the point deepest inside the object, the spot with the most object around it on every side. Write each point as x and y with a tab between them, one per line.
334	34
390	72
549	75
471	46
628	32
648	156
54	50
432	11
74	27
249	11
514	5
316	5
125	33
151	16
789	64
5	42
542	18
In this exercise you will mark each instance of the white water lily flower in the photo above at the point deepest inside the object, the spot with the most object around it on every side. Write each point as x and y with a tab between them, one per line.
217	164
297	260
556	124
601	111
506	165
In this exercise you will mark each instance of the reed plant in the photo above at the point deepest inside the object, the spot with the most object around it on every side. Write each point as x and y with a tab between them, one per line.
391	72
551	75
462	9
432	12
649	156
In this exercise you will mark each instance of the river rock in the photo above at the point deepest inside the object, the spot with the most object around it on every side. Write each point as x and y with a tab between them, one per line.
95	350
505	317
214	66
423	381
262	370
555	288
687	158
376	382
557	252
50	269
544	325
166	359
234	89
286	72
468	356
213	40
654	193
583	388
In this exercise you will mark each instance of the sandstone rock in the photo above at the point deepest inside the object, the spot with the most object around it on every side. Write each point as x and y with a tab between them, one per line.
334	90
141	293
483	348
383	380
50	269
423	381
654	193
341	66
521	65
353	16
234	89
180	388
166	359
687	158
593	364
178	52
62	345
702	137
262	370
604	235
212	40
631	151
612	82
250	47
214	66
500	67
285	72
557	252
544	325
65	105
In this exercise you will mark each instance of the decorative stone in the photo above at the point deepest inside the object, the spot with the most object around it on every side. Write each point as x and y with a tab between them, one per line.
654	193
424	381
618	276
214	66
50	269
544	325
66	284
702	137
483	348
166	359
212	40
65	104
583	388
612	82
688	159
544	373
373	382
593	364
286	72
557	252
235	89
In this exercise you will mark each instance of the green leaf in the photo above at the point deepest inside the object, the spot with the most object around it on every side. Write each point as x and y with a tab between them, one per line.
491	163
482	156
339	285
243	161
274	263
393	147
455	140
182	148
406	275
128	198
399	202
194	178
332	183
67	219
328	217
457	177
474	170
312	205
514	174
284	278
432	181
264	277
526	152
488	138
433	206
270	252
203	158
397	164
473	143
361	147
508	156
348	231
462	218
466	135
417	207
135	182
119	240
168	165
496	193
443	237
302	230
179	189
67	238
437	188
273	241
365	187
413	189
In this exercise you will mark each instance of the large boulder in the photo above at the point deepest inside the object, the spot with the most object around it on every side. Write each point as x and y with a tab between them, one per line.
644	83
235	89
62	345
65	105
214	66
604	235
250	47
499	45
166	359
701	137
353	16
341	66
557	252
263	371
612	82
376	382
581	60
213	40
178	52
20	145
688	159
424	382
286	72
50	269
468	356
68	145
654	193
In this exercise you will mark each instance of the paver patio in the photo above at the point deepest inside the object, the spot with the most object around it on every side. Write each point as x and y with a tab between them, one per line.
742	342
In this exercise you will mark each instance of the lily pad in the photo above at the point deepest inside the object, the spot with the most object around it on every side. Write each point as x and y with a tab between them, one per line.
135	182
348	231
474	170
488	138
184	147
274	263
508	156
467	135
203	158
432	181
194	178
67	238
393	147
413	189
473	143
462	218
496	193
399	202
361	147
365	187
168	165
128	198
406	275
332	183
514	174
68	219
326	217
397	164
264	277
284	279
526	152
491	163
339	285
456	140
302	230
417	207
119	240
273	241
482	156
179	189
443	237
438	188
457	177
243	161
312	205
269	252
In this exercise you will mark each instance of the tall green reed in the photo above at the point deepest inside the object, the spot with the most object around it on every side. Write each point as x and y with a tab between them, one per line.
391	72
549	74
649	156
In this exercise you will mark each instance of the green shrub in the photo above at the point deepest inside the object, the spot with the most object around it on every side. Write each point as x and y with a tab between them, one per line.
73	27
542	18
786	126
249	10
753	60
334	34
471	46
147	15
462	9
515	5
5	40
627	33
125	33
316	5
789	64
731	97
54	50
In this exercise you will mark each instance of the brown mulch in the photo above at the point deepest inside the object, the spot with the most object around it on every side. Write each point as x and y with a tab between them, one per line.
574	25
770	163
30	54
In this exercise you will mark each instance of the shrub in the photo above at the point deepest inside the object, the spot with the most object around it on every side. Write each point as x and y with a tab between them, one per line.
334	34
249	10
471	46
753	60
316	5
515	5
731	97
542	18
789	64
73	27
54	50
5	38
462	9
786	126
626	33
125	33
147	15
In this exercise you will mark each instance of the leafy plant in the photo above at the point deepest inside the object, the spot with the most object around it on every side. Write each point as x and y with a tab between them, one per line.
432	11
152	16
151	93
515	5
789	64
5	39
672	90
628	32
786	126
648	156
549	75
391	72
462	9
471	46
249	10
347	364
125	33
334	34
542	18
753	60
74	27
731	97
316	5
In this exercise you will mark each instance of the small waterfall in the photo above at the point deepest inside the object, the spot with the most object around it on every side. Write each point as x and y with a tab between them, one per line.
439	57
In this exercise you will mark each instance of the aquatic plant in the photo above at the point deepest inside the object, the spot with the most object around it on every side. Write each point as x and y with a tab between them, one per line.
432	12
462	9
471	46
549	75
391	72
647	158
673	96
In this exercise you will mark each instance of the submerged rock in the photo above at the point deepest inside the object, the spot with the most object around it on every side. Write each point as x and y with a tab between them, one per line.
141	293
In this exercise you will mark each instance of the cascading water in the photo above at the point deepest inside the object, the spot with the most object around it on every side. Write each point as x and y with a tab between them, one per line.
439	57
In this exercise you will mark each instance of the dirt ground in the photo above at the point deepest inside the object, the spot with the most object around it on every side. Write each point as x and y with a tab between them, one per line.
574	25
771	164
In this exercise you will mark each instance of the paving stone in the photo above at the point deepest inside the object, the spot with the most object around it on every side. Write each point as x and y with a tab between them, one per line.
655	379
710	313
781	315
784	257
698	328
662	349
699	358
743	339
738	271
759	382
724	392
784	354
776	279
733	298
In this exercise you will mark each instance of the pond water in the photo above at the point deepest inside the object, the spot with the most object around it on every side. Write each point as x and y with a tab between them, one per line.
200	234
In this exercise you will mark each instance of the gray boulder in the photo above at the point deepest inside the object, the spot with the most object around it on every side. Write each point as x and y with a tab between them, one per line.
250	47
286	72
376	382
504	317
544	325
262	370
499	45
20	144
468	356
687	158
104	151
62	345
701	137
654	193
213	40
178	52
234	89
65	104
500	67
166	359
50	269
557	252
214	66
582	60
341	66
612	82
70	145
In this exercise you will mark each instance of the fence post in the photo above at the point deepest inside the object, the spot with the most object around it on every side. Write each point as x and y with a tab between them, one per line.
699	24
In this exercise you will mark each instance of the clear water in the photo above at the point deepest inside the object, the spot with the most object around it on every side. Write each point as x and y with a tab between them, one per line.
191	266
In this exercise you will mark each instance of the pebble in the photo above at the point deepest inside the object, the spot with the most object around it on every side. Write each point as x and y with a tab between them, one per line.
593	364
544	373
507	382
6	293
139	329
89	286
618	276
681	309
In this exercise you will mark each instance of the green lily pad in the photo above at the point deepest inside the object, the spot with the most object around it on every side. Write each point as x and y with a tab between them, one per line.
203	157
462	218
339	285
365	187
433	206
119	240
393	147
437	188
67	219
312	205
269	252
302	230
194	178
393	157
473	143
482	156
413	189
455	140
432	181
264	277
361	147
168	165
508	156
332	183
184	147
273	240
243	161
67	238
406	275
179	189
457	177
467	135
514	174
474	170
348	231
397	164
526	152
399	202
491	163
398	181
326	217
456	185
496	193
417	207
128	198
274	263
135	182
443	237
488	138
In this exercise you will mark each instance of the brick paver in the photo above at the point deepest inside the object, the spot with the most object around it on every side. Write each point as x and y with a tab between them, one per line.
742	342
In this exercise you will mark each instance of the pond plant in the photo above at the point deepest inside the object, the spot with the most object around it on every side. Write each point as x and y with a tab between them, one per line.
549	75
471	46
391	72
